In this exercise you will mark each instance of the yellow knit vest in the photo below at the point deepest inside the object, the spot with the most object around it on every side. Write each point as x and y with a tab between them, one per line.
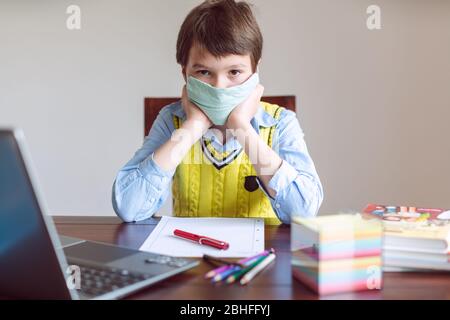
200	189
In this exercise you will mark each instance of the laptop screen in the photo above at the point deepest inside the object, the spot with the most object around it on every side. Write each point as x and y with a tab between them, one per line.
19	212
29	266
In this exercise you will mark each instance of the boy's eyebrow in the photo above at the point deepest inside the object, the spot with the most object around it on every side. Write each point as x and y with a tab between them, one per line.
198	65
237	65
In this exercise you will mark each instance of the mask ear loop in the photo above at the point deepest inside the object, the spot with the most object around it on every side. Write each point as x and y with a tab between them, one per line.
258	72
257	67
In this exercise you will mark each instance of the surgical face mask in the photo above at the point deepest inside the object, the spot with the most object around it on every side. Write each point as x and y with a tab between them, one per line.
218	103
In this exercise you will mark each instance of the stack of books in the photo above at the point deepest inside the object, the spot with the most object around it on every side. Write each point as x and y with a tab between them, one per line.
415	239
338	253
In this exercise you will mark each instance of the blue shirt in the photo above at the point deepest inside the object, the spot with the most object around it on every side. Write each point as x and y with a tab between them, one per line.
141	186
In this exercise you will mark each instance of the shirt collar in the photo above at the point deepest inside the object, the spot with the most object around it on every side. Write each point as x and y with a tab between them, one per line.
261	118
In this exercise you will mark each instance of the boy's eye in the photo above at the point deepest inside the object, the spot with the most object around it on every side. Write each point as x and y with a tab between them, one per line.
235	72
203	72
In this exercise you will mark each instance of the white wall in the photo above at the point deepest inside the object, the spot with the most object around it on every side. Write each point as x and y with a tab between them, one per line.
375	105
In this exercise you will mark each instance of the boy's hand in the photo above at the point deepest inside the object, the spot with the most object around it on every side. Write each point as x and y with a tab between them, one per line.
193	112
241	116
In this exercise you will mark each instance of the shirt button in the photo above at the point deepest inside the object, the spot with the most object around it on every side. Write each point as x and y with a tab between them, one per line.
151	200
277	206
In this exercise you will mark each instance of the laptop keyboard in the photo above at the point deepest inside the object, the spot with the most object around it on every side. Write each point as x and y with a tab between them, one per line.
97	280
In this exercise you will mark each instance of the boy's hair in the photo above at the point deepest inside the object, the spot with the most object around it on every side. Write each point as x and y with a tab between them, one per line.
221	27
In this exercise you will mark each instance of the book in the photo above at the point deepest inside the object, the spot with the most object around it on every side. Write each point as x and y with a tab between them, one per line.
417	256
431	239
407	215
416	263
414	237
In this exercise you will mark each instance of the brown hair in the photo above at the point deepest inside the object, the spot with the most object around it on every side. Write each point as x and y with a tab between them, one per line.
221	27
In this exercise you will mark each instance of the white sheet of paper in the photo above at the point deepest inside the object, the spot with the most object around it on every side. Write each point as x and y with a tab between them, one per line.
244	235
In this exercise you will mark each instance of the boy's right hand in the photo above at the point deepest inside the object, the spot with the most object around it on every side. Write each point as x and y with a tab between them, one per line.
193	112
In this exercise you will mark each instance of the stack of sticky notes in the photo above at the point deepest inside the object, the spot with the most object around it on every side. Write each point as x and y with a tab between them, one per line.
337	253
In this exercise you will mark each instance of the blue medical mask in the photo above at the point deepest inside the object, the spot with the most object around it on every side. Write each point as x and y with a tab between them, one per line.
218	103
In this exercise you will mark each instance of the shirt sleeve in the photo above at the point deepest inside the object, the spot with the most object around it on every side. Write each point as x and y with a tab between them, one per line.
141	186
297	185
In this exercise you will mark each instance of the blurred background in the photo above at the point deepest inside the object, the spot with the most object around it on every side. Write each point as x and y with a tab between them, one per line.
374	104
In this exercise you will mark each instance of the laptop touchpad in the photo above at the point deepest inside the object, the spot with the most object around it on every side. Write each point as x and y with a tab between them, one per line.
96	252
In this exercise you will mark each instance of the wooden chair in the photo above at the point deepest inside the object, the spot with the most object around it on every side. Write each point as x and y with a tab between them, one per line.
152	106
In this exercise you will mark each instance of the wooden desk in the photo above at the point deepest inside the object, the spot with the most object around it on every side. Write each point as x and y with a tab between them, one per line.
275	283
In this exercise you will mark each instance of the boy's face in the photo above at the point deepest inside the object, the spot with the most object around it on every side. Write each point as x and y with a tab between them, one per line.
225	72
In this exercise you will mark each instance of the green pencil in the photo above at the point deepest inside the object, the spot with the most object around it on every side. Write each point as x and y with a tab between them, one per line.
239	273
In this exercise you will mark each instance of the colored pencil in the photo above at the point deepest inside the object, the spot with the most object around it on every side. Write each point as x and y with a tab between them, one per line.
236	275
252	273
216	271
244	261
225	274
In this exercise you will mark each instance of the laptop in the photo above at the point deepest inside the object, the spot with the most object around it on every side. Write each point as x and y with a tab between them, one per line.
36	263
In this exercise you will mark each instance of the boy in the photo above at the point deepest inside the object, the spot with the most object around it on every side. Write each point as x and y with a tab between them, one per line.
228	153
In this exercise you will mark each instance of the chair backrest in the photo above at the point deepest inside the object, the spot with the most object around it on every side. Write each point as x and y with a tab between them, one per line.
152	106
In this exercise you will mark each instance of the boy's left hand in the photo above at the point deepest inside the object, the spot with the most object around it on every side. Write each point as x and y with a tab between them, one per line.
241	116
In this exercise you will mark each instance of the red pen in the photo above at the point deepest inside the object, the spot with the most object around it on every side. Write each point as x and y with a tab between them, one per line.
202	239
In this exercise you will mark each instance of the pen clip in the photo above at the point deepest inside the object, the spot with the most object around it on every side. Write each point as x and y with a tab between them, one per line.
219	243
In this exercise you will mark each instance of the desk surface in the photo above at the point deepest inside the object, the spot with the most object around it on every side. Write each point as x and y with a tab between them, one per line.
275	283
